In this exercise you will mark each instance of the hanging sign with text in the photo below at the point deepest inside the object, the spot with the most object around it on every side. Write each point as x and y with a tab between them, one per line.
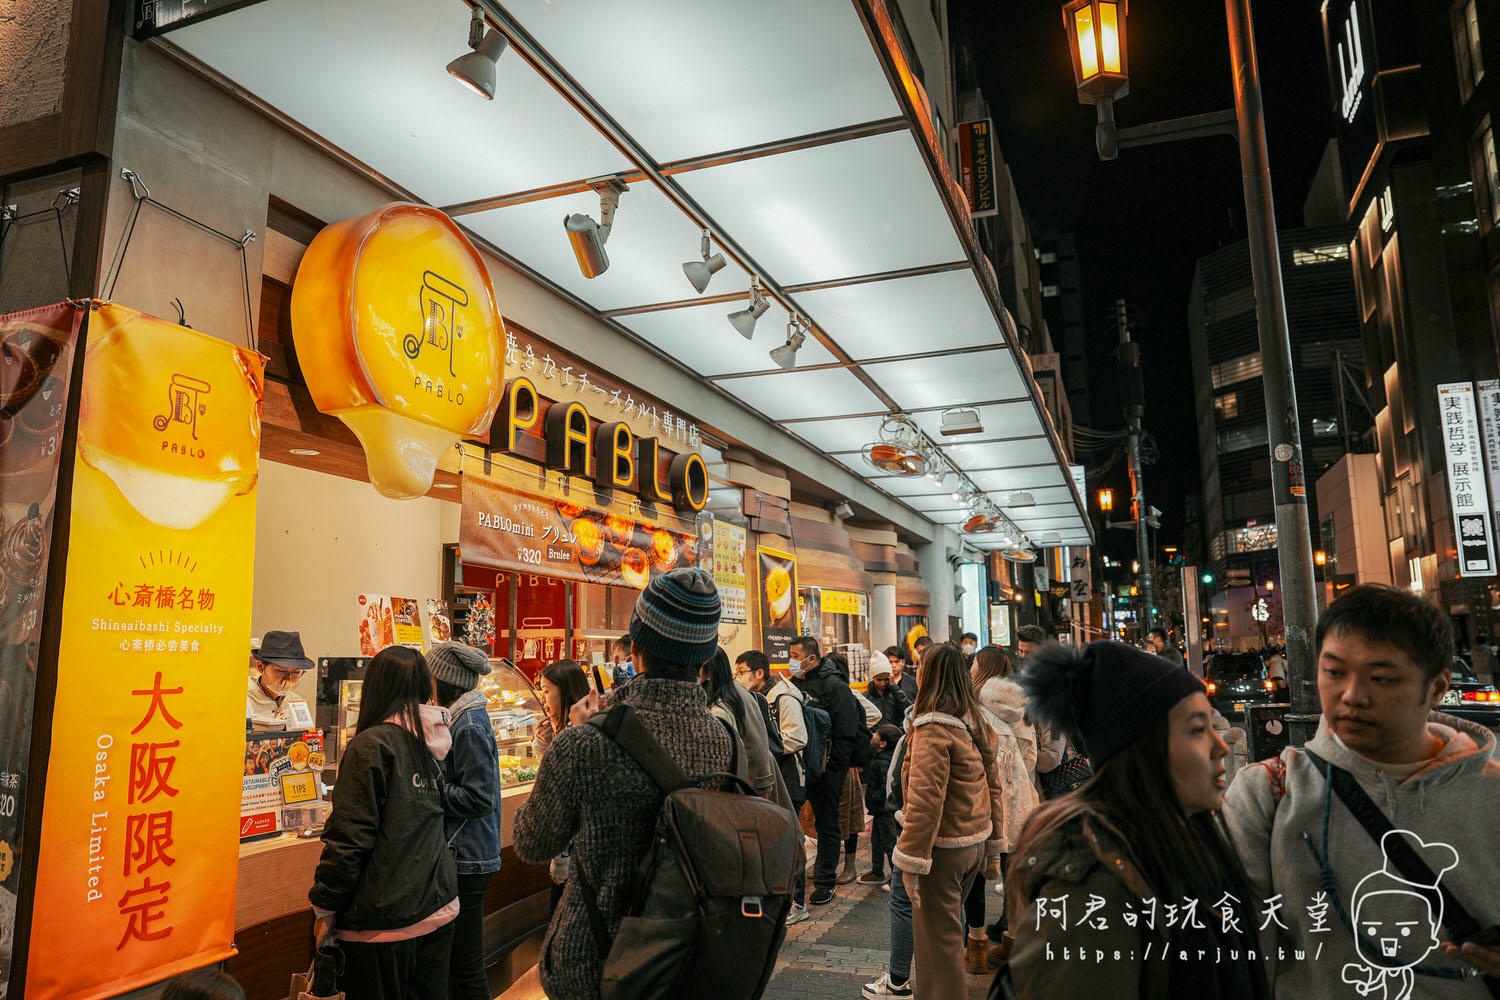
139	828
976	167
1473	532
778	604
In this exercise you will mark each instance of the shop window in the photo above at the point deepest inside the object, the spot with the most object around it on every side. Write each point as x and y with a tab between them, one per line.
1466	49
1320	255
1227	406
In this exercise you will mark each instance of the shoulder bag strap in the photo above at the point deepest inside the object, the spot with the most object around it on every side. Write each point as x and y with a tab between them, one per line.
602	940
1458	920
624	728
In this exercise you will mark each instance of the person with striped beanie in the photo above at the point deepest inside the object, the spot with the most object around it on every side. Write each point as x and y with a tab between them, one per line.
591	800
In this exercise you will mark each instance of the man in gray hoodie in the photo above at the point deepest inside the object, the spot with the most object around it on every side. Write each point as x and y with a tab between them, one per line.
1319	877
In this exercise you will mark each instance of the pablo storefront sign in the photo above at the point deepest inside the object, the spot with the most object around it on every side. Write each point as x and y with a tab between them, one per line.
399	336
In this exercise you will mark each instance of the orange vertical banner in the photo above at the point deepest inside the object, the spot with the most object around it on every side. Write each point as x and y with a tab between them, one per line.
139	843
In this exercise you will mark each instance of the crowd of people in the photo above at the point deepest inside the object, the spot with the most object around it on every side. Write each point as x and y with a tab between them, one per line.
1087	784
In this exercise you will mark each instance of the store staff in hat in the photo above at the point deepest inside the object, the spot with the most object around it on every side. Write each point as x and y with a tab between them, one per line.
276	667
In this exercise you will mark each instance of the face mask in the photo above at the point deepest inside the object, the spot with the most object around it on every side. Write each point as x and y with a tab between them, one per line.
278	687
795	668
968	649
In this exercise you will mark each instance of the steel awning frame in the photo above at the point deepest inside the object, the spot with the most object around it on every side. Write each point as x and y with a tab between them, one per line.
876	19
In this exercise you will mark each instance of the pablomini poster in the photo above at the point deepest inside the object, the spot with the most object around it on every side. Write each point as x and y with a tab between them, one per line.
142	806
36	356
777	599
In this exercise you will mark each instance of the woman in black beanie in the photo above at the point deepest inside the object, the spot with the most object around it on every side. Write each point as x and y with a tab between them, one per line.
1142	829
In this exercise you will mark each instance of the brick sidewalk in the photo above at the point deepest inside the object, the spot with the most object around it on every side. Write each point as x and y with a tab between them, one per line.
845	945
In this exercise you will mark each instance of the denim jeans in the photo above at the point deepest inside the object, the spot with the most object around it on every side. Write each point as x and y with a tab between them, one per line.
901	941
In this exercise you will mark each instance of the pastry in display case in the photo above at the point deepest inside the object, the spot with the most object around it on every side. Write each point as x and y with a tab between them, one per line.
515	708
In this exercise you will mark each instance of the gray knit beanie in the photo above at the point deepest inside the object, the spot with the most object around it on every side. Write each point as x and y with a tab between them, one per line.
458	664
676	617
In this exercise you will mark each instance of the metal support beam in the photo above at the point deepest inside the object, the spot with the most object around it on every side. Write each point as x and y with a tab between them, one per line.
1175	129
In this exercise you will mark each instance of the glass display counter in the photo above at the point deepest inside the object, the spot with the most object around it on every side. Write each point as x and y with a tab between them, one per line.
515	707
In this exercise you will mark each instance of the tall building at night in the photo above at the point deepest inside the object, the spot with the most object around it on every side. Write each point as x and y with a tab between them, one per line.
1238	514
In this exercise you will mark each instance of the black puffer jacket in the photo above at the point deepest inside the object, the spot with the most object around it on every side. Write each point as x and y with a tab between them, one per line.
826	686
892	704
385	863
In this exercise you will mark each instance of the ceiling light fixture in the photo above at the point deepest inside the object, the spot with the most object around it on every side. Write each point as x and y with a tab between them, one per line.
476	69
305	452
587	236
701	272
743	320
786	354
1020	498
843	511
961	420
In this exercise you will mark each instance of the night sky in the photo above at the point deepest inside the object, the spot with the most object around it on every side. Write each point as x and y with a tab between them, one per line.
1142	220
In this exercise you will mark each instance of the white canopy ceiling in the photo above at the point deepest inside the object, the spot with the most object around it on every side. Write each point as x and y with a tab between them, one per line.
778	127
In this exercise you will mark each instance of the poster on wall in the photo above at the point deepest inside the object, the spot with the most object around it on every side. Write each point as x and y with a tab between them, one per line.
549	527
728	544
778	604
143	792
1467	490
388	621
36	356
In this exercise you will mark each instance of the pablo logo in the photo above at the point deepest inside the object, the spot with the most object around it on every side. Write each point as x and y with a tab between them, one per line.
441	299
1396	920
184	406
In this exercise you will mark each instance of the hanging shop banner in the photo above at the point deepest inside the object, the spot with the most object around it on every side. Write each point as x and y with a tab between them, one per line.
841	602
1472	528
36	356
1489	425
728	543
399	310
388	621
976	167
1080	574
779	623
542	523
139	828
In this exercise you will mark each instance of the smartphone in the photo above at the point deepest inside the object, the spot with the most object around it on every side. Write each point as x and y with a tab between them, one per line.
598	680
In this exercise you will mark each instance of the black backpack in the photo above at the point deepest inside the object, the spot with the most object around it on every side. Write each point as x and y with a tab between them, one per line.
706	912
773	727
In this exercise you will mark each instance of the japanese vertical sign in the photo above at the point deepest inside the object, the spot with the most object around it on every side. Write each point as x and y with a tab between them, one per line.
779	623
36	355
139	839
976	167
1472	527
1489	425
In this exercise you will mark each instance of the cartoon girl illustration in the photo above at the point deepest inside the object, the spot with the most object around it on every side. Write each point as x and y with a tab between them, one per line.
1396	921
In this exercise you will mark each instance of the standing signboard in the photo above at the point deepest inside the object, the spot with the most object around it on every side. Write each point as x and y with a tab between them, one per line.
778	604
1467	493
141	817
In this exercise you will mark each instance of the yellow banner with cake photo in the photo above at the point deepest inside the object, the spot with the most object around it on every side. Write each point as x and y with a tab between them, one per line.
140	822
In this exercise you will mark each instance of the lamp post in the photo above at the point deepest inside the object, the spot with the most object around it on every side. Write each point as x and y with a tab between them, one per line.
1100	73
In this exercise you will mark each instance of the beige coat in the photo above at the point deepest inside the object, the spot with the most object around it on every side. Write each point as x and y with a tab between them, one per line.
1003	701
951	791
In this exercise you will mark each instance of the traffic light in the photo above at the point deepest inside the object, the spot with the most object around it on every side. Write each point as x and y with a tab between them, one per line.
1208	579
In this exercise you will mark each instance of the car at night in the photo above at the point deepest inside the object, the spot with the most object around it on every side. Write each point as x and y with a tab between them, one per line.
1235	680
1470	698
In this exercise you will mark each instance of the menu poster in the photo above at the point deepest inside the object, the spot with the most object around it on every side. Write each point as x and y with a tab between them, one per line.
139	824
280	771
778	604
36	356
728	544
388	621
546	530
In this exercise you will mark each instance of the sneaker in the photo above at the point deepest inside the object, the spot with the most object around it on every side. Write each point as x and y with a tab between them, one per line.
845	876
871	878
885	887
797	914
883	989
820	897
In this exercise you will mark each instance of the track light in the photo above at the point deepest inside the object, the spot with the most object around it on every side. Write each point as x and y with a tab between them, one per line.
743	320
843	511
476	69
700	272
588	236
786	354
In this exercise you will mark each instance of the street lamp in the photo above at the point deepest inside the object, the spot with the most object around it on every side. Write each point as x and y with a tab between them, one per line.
1096	36
1106	500
1320	558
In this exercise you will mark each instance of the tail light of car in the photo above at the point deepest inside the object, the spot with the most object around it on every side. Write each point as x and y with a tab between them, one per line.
1212	687
1491	696
1270	685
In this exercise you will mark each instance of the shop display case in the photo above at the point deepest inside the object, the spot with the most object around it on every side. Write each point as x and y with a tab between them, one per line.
346	713
515	707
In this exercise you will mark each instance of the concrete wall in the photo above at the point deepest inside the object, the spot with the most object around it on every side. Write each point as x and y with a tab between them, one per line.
940	578
321	540
33	58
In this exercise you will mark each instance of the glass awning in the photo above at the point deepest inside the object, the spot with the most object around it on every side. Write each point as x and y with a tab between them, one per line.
791	130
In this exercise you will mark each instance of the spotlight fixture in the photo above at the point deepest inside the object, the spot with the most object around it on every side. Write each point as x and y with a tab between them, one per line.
961	420
1020	498
843	511
588	236
476	69
700	272
743	320
786	354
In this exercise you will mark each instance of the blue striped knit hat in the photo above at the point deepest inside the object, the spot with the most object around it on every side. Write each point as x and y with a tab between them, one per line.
676	618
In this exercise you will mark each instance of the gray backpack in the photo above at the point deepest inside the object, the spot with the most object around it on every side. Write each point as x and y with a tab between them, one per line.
706	913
